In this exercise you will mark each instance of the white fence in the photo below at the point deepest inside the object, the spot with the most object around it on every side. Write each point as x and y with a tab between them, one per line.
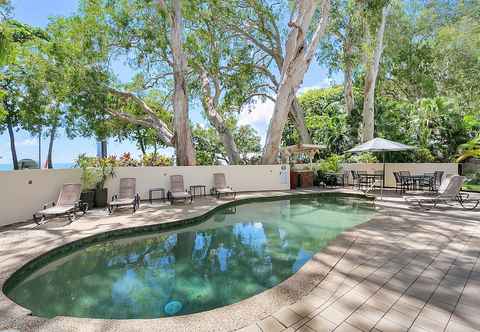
24	192
413	168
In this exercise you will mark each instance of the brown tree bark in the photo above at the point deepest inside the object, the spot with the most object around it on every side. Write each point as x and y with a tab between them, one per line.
50	147
13	148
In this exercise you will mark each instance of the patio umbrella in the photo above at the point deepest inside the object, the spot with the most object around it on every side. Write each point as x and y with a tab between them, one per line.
381	145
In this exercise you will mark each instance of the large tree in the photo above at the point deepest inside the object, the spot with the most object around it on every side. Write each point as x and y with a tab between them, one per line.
373	50
259	24
341	50
20	42
299	51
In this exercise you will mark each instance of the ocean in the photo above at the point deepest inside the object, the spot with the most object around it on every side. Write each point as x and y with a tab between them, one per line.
9	167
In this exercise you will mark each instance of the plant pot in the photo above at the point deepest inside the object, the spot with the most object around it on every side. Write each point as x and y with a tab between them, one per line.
101	197
88	197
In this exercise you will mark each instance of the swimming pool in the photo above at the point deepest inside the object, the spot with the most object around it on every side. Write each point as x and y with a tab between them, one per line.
237	252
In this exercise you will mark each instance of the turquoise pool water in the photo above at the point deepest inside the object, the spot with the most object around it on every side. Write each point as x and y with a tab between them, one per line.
235	253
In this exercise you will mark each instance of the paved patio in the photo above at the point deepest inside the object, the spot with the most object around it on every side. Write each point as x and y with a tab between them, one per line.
404	270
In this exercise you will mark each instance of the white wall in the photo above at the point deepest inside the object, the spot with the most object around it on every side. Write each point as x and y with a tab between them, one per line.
413	168
24	192
19	199
240	178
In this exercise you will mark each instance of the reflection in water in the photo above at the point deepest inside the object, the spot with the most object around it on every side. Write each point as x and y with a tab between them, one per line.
231	256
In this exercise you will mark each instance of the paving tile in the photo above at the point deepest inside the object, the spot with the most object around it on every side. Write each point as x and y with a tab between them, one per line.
287	316
321	324
270	324
302	308
335	314
305	328
400	318
387	325
345	327
361	322
456	327
251	328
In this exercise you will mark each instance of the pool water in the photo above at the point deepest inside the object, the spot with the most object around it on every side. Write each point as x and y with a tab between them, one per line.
234	254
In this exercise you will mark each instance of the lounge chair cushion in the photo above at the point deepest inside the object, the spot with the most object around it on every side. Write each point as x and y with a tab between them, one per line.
123	201
225	190
180	194
57	210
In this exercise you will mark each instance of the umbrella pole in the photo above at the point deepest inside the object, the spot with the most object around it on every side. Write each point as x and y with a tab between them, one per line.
383	179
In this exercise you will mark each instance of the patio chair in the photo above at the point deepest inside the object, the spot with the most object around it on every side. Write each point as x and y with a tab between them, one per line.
407	182
354	178
398	182
177	190
68	204
449	192
127	196
437	179
428	182
220	186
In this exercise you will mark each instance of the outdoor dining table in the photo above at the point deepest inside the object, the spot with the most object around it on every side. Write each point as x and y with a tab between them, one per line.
416	180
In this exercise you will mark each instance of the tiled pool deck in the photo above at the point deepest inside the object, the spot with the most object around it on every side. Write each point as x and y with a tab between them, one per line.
404	270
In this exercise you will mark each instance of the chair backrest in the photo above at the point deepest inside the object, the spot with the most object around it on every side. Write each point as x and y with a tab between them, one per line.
452	186
404	173
397	177
354	174
127	188
438	175
69	194
219	180
176	183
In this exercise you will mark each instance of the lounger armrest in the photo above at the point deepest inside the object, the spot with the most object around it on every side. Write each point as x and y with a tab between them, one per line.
45	206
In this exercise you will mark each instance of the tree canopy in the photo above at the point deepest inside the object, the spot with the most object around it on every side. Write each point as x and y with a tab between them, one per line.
410	73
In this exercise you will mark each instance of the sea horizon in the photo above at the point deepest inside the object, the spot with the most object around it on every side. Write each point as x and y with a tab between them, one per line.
9	167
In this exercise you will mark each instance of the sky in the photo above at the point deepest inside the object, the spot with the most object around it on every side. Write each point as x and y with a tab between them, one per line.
37	13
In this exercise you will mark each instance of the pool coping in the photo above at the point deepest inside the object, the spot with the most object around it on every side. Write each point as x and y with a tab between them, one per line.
230	317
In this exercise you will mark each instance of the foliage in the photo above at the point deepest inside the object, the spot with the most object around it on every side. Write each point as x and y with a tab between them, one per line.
95	171
471	149
365	157
153	159
331	164
211	152
436	126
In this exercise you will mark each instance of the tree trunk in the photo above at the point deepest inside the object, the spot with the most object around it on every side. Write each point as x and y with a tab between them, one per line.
50	147
210	104
373	64
299	117
297	60
185	153
141	142
348	81
12	144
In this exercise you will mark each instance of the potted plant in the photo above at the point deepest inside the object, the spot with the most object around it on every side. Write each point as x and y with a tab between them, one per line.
88	179
95	172
104	169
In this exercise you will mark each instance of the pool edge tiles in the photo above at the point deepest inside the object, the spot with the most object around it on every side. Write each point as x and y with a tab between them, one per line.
81	244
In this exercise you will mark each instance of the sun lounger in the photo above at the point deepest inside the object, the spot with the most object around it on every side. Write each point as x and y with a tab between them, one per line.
68	204
177	190
220	186
448	193
127	196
